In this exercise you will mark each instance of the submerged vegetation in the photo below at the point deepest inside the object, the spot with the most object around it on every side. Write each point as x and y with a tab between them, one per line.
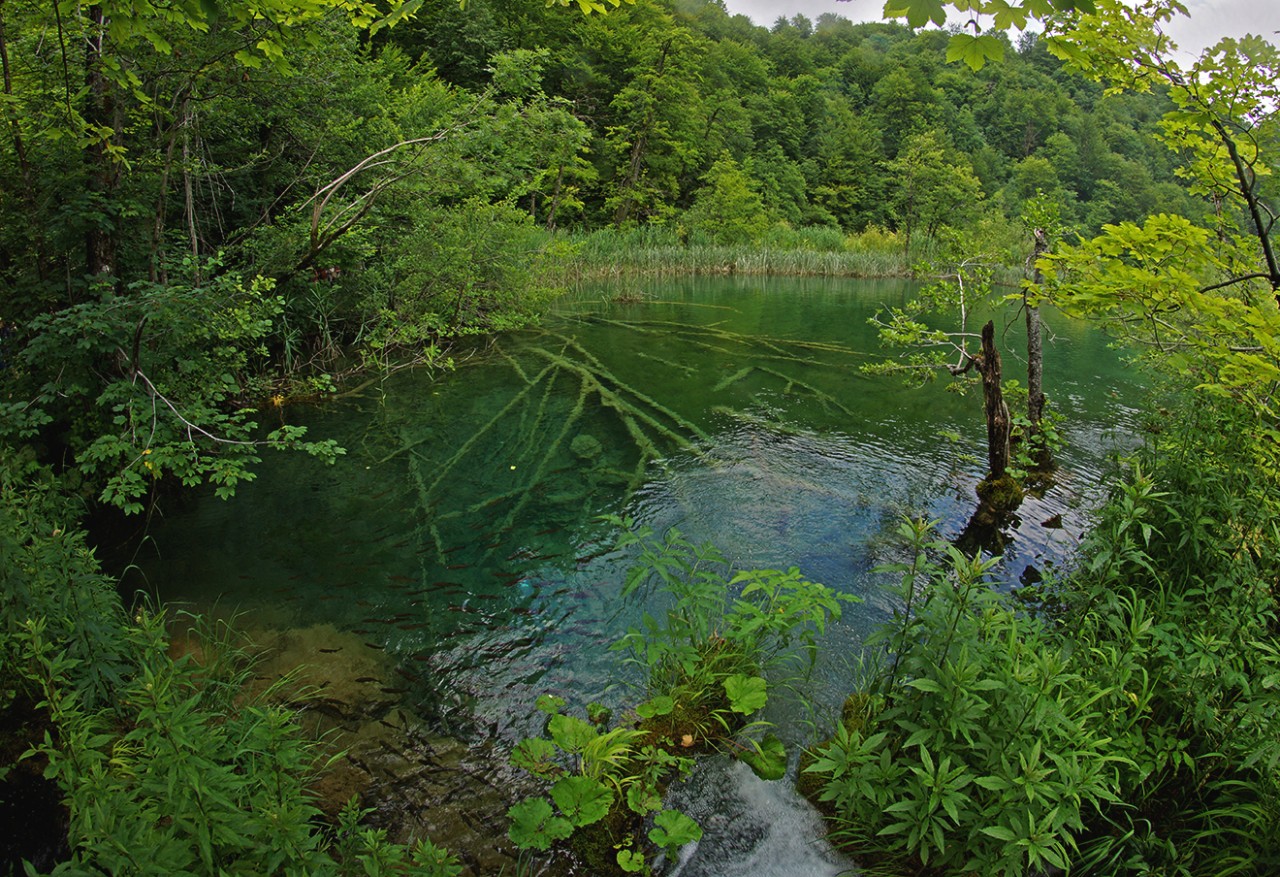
213	211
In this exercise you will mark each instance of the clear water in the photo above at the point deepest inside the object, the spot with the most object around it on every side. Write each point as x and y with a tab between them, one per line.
460	533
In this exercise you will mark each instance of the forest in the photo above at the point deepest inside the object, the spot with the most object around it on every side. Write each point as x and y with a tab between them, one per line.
217	216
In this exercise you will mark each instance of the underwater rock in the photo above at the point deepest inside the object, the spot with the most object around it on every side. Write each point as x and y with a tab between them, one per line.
586	447
325	670
419	783
423	784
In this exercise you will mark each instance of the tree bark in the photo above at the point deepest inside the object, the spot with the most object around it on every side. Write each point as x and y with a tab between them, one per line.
996	409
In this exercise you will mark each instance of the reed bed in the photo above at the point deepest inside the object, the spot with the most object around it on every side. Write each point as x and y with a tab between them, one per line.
612	254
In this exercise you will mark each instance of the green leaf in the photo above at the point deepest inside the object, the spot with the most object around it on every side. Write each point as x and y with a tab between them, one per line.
1000	832
746	693
662	705
925	684
642	798
583	800
770	762
630	861
534	755
534	825
672	830
571	733
918	13
550	704
975	51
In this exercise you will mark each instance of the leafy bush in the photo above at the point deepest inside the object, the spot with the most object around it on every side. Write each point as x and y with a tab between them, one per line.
155	383
166	766
186	776
48	573
465	270
1129	727
979	747
1179	585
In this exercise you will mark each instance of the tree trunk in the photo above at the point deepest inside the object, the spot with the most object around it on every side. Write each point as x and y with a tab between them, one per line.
996	409
100	237
1035	349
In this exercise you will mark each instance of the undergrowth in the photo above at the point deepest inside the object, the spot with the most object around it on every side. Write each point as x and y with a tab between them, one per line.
1130	724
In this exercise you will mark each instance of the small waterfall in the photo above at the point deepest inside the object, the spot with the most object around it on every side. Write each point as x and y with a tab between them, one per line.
751	827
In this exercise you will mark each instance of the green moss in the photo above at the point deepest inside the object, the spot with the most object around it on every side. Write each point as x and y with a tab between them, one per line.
1002	494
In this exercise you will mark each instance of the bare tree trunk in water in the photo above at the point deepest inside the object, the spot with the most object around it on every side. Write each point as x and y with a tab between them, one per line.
996	409
999	493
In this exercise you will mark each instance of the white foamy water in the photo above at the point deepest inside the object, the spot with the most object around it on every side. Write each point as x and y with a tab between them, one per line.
752	828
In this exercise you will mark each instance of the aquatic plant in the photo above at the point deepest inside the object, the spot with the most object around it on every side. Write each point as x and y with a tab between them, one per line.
708	652
604	784
817	252
704	661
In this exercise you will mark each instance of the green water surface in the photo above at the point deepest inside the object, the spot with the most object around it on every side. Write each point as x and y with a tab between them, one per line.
460	532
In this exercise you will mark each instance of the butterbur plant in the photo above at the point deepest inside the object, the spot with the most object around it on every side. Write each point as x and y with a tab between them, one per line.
707	655
705	659
604	784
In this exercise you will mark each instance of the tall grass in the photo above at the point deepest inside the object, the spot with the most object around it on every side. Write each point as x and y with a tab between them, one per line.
821	252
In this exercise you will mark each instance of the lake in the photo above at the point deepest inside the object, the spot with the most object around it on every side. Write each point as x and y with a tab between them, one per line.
460	535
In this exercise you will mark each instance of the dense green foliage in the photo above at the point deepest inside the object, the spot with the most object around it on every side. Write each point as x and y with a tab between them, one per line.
1123	718
1127	726
706	663
206	214
209	210
165	765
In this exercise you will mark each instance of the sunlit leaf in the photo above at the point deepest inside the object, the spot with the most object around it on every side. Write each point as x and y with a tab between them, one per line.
975	51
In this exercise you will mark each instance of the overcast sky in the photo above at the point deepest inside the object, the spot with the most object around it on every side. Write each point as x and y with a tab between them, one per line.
1210	20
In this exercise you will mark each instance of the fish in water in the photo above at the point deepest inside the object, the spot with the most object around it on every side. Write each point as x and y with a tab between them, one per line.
330	651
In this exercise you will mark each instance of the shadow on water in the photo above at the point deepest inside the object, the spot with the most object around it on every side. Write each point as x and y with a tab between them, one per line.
460	536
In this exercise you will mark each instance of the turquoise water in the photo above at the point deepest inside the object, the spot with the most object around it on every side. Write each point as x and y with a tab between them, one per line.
460	533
